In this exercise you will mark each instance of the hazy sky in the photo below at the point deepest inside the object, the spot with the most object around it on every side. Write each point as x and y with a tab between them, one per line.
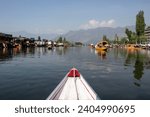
59	16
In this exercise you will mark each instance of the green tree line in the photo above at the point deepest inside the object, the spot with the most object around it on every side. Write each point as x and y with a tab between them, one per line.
138	36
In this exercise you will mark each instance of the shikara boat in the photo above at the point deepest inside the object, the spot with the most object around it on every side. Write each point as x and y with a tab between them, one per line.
102	46
73	87
132	47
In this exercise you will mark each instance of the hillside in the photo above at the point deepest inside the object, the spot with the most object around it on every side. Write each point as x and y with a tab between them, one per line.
94	35
85	36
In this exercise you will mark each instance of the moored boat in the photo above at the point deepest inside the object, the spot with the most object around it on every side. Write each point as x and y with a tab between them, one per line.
102	46
91	45
132	47
73	87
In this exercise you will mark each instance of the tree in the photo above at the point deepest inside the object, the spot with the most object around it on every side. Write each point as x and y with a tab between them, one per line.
64	40
132	37
140	25
128	33
39	38
116	40
123	40
60	40
106	39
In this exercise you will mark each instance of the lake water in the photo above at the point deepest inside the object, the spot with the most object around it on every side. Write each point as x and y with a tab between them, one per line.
33	73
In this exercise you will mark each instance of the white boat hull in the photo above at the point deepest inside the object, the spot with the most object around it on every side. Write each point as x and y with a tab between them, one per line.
73	88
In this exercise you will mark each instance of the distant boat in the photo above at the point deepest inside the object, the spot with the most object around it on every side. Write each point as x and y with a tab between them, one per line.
91	45
73	87
102	46
132	47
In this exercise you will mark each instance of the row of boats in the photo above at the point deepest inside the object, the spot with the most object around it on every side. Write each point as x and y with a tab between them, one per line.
104	45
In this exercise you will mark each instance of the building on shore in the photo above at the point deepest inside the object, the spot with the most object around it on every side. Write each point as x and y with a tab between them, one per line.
59	44
78	44
147	34
6	40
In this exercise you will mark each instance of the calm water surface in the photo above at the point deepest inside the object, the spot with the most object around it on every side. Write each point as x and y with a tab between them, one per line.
33	73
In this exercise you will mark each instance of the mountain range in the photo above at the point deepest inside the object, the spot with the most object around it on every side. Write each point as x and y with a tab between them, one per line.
95	35
85	36
31	35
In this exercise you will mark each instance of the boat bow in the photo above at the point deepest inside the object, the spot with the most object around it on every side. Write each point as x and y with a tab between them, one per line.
73	87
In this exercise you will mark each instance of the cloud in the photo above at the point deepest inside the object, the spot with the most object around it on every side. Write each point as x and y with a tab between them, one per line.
95	24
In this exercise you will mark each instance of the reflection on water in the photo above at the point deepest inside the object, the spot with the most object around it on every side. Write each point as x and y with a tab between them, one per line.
139	68
101	54
115	74
139	58
7	54
61	50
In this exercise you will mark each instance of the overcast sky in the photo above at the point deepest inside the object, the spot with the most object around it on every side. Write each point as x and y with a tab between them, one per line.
59	16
